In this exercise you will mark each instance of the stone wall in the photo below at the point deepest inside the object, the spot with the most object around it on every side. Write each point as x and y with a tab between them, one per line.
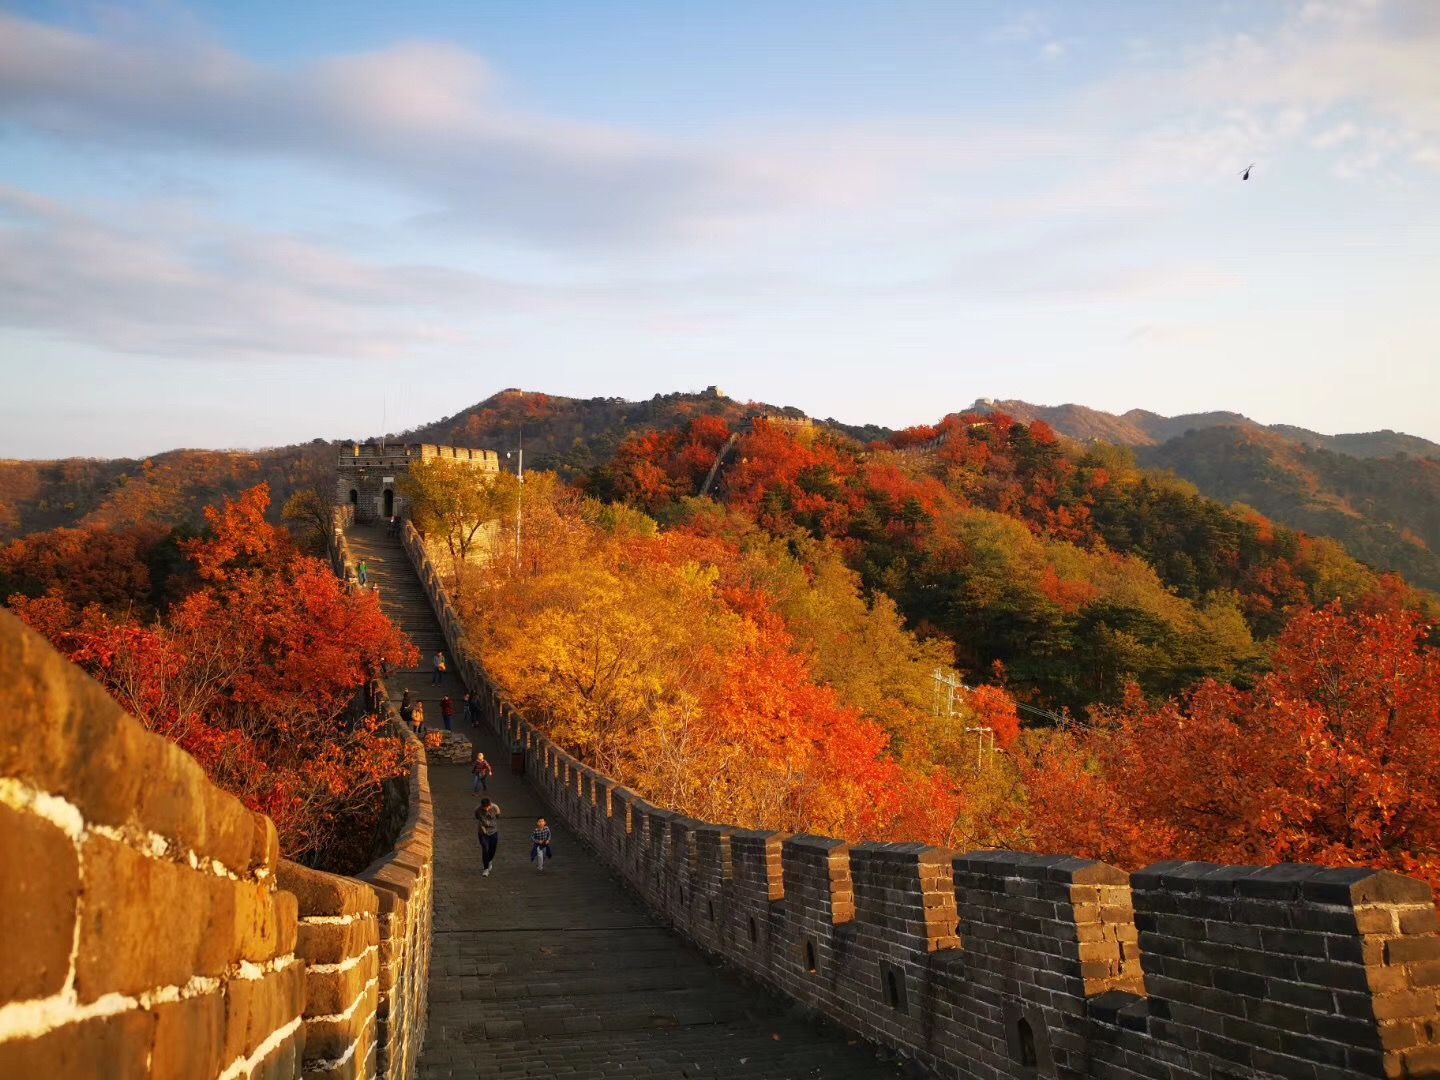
151	928
144	933
1002	964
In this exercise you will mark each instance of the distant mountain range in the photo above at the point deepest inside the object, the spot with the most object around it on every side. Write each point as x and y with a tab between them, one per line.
1376	492
1139	427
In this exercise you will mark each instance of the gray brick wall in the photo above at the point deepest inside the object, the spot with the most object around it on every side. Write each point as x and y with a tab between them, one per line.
1003	964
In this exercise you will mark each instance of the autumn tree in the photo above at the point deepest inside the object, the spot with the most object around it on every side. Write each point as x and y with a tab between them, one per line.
309	514
1333	758
255	671
453	503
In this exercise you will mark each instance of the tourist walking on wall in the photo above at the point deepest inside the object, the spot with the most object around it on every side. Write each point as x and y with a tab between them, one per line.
418	714
472	708
540	844
438	672
447	710
407	710
483	770
363	572
488	816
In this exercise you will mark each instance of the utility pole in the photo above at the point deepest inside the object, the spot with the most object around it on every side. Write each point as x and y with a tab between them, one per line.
980	733
519	491
946	682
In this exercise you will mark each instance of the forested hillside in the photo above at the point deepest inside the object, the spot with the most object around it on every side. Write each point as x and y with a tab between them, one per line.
1068	568
1377	492
1386	511
170	489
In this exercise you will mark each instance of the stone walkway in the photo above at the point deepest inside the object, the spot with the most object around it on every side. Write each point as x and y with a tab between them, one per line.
563	973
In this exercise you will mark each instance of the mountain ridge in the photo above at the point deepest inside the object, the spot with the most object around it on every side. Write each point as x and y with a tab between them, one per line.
1141	427
1384	508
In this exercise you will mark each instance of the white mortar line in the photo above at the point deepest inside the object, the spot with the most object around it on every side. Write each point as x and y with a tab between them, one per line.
335	1018
38	1016
66	816
332	920
61	813
244	1066
343	965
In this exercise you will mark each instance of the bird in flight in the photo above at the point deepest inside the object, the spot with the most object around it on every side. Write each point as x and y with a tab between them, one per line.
1246	174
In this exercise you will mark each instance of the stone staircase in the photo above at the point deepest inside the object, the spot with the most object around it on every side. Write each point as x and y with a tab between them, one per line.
565	973
401	594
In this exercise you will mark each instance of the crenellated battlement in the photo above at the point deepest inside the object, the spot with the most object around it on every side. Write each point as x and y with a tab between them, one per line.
367	474
1004	964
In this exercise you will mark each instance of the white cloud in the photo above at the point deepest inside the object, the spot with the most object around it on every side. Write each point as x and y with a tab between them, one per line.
425	116
167	284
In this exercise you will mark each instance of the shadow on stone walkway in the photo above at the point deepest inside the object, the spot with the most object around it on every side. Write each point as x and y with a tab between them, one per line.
563	973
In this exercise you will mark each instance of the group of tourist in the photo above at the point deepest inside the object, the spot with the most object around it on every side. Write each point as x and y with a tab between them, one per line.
488	816
413	713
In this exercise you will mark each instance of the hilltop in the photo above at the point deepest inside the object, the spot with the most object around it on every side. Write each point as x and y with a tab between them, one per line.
574	435
1140	427
1378	493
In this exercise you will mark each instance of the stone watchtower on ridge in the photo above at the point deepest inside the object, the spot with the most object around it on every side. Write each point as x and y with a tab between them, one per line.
366	473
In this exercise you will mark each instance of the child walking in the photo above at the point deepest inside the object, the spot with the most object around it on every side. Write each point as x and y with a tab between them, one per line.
540	844
483	770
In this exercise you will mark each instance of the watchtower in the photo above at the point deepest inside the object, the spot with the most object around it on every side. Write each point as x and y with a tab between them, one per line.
366	473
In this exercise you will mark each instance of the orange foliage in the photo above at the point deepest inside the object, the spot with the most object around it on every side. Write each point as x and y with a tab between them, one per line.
1333	758
255	672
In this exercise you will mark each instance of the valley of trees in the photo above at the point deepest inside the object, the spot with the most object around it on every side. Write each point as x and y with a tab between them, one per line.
1069	569
238	647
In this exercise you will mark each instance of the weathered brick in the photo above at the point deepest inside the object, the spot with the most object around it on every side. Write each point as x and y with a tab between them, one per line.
256	1007
319	893
142	922
189	1038
332	992
331	1038
1408	950
39	887
115	1047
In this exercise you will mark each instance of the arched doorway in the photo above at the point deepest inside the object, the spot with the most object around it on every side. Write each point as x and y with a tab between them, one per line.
389	502
354	497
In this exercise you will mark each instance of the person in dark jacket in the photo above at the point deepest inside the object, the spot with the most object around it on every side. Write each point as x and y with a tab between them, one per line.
487	815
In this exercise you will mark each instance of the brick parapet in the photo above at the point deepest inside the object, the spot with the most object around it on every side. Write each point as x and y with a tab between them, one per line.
1003	964
144	932
153	920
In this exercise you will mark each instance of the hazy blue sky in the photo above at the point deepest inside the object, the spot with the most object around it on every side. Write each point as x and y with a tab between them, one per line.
250	223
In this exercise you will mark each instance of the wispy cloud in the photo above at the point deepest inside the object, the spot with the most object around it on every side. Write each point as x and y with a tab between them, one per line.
169	284
427	116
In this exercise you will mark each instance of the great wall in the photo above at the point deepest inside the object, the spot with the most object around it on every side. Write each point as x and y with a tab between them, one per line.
151	928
